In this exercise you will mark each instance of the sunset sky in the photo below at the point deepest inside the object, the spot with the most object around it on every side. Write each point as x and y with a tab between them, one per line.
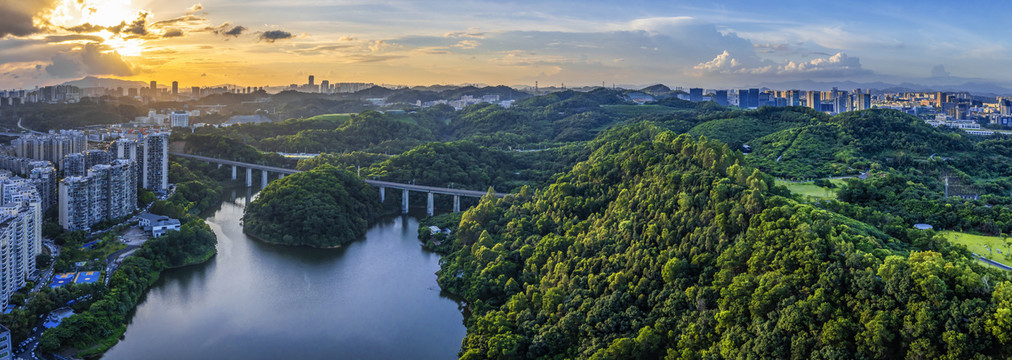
679	43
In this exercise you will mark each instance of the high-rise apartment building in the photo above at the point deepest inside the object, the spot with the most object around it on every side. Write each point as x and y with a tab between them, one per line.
51	147
175	88
43	177
74	165
96	157
107	192
312	80
20	233
155	162
325	86
753	98
813	99
743	99
6	352
720	97
695	94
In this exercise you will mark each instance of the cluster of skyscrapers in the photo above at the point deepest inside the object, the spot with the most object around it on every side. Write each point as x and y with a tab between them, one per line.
835	101
108	189
20	233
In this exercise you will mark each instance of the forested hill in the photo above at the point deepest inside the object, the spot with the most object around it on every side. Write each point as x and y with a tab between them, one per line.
851	142
669	247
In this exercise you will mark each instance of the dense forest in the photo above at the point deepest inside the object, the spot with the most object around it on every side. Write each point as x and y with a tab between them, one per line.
659	230
671	247
323	207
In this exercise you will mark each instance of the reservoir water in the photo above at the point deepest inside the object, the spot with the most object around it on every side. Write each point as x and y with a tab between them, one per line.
373	299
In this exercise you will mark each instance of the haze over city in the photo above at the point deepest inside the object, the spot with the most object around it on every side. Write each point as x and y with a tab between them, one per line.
728	43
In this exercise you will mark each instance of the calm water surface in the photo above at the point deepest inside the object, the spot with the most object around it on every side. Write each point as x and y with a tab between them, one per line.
373	299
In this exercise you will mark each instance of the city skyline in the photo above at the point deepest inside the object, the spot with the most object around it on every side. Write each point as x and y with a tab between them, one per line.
731	43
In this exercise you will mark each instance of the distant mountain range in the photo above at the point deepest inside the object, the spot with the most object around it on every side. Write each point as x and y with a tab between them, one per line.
91	81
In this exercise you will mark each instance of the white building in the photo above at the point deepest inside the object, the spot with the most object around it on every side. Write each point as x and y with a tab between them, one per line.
107	192
6	352
158	225
180	119
20	233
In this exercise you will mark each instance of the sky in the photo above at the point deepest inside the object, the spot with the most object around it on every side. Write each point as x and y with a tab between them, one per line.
577	43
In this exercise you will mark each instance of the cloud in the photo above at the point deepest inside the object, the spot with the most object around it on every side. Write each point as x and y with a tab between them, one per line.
89	60
467	44
768	48
274	35
319	49
227	30
139	26
171	33
348	38
838	65
74	37
195	9
85	28
19	17
473	33
939	71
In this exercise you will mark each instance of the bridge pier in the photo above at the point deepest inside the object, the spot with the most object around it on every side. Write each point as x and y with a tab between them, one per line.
263	179
233	172
456	203
404	202
429	208
249	177
383	194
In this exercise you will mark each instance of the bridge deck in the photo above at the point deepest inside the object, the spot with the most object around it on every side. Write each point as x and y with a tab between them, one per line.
377	183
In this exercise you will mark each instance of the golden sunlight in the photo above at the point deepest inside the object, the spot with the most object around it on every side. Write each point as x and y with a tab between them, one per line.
96	12
129	47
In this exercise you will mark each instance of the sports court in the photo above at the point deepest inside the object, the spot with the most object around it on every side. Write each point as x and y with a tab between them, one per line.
62	279
87	277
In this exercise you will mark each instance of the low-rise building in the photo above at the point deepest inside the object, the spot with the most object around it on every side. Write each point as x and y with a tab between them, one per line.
158	225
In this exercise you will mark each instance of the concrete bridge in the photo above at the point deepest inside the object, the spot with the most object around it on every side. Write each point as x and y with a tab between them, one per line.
382	185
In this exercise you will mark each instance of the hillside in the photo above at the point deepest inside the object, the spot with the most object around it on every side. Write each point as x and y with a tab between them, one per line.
323	207
670	247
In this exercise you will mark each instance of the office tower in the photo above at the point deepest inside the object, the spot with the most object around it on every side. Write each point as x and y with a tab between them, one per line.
20	234
156	162
841	102
939	99
1005	106
764	99
695	94
753	98
794	98
325	86
195	91
720	97
180	119
312	80
74	165
814	100
154	88
743	99
175	88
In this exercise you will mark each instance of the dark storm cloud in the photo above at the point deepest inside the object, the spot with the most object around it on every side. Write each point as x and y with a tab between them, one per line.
171	33
16	16
274	35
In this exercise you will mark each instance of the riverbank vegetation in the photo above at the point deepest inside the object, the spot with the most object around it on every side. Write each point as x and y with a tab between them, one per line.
323	207
96	328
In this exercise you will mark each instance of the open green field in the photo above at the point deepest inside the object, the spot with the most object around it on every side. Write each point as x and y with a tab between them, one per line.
808	189
979	244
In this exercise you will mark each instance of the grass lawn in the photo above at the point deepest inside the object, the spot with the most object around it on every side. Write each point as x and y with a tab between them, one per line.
979	245
808	189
